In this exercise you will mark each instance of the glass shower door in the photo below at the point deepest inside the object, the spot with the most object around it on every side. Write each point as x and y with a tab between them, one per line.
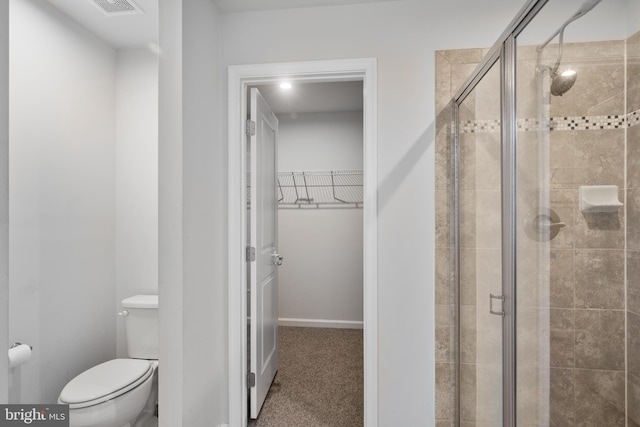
565	264
536	221
480	317
570	277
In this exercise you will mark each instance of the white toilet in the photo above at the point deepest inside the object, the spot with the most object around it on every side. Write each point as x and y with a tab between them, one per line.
120	392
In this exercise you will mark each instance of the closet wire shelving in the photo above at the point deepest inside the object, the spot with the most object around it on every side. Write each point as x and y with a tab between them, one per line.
320	189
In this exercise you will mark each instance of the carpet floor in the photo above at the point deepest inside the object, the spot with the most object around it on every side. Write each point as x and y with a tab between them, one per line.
319	382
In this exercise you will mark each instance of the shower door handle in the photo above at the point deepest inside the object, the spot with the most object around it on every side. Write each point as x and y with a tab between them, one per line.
491	310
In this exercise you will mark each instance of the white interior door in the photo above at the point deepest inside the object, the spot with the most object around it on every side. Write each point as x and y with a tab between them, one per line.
263	322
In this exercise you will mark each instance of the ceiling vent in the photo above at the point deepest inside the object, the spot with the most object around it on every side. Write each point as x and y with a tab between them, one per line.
117	7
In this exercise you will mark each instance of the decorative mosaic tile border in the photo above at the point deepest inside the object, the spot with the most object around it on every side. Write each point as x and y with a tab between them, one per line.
587	122
480	126
557	123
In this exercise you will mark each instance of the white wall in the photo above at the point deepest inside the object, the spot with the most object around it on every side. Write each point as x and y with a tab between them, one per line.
170	282
136	166
321	278
204	174
62	198
320	141
633	17
593	26
4	196
403	36
192	212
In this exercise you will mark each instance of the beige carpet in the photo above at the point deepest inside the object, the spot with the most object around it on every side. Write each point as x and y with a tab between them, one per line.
320	380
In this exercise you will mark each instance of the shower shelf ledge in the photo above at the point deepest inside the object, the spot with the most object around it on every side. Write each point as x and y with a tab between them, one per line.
599	198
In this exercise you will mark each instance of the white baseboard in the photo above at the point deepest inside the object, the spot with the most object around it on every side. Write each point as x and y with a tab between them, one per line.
321	323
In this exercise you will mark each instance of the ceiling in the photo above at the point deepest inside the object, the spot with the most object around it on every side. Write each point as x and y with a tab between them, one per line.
314	97
232	6
119	31
141	30
129	31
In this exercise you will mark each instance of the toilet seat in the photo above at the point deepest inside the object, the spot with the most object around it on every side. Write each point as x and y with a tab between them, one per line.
105	382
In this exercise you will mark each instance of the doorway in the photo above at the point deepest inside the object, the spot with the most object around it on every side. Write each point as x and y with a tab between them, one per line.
240	77
319	206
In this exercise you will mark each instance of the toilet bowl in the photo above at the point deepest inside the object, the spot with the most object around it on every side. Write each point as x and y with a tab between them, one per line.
120	392
112	394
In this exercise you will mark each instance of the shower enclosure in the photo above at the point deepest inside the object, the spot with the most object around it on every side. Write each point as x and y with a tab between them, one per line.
538	221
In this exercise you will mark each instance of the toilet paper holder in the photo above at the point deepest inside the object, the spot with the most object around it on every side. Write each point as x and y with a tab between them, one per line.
19	354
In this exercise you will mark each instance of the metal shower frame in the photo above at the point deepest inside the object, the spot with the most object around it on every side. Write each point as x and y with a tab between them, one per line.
503	51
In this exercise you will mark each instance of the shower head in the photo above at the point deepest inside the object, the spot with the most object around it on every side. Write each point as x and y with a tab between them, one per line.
562	82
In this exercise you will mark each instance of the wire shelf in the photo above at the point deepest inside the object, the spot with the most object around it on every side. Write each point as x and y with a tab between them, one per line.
316	189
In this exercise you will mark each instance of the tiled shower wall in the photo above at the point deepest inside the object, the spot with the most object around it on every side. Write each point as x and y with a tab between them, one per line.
583	302
452	68
587	319
633	233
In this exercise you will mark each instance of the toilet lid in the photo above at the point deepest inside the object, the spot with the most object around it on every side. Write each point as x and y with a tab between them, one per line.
105	381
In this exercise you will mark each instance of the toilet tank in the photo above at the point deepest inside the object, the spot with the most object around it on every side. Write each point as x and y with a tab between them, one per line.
141	326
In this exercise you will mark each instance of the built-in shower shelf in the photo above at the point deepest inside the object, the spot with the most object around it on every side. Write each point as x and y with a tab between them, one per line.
318	189
599	198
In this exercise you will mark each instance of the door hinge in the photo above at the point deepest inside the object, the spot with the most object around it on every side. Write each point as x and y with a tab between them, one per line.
251	254
251	128
251	380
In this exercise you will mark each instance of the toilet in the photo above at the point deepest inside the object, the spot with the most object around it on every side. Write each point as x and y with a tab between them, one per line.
120	392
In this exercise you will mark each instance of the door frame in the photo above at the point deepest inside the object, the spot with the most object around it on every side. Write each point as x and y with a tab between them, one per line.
239	77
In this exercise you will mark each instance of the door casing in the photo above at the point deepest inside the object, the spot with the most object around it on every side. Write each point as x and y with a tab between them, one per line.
241	76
